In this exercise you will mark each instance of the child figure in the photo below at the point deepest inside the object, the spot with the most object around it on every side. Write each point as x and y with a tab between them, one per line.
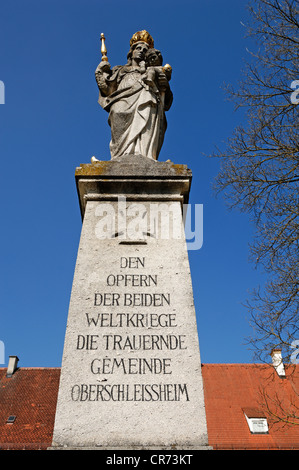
153	62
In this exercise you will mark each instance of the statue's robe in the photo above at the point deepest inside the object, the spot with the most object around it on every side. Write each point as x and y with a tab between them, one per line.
136	113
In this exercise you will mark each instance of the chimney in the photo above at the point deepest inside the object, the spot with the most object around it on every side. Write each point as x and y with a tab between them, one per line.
278	362
12	365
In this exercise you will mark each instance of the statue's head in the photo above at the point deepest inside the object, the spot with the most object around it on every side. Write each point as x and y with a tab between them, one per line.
140	43
153	57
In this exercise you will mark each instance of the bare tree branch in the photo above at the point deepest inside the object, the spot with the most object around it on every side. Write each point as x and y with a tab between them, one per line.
259	171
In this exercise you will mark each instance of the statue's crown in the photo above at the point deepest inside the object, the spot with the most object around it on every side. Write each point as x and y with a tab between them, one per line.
142	36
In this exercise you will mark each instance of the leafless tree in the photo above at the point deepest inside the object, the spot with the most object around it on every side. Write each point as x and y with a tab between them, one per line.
280	407
260	171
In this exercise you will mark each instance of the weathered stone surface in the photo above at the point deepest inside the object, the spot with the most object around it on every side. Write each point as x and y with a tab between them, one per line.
133	166
131	370
136	177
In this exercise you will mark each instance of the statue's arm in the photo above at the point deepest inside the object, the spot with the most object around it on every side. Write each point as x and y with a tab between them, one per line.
103	77
168	99
163	84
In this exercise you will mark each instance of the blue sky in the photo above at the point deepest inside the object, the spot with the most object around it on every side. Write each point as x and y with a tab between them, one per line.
51	122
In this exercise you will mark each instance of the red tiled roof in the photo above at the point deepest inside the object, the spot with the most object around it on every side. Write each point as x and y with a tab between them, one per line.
232	389
30	395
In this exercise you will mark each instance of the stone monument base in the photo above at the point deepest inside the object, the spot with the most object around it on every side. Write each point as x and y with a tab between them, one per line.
131	371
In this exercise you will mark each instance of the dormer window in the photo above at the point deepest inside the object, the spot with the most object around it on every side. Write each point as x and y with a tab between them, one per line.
11	419
256	420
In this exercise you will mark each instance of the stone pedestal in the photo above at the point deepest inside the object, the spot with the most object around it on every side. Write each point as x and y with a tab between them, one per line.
131	370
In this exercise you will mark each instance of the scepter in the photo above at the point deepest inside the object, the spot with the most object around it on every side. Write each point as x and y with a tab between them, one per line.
103	48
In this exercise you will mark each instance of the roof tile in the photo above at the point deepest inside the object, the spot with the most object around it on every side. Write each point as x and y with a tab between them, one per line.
230	391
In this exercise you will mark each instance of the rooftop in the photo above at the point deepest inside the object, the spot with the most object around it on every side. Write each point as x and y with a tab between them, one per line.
234	393
255	390
30	395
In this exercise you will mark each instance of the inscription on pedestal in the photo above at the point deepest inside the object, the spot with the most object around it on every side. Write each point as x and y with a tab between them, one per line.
103	338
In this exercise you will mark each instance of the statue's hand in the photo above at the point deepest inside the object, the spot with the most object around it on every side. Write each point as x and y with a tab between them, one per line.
162	80
103	67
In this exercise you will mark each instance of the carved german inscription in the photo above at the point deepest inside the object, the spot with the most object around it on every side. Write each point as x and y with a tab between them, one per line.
117	352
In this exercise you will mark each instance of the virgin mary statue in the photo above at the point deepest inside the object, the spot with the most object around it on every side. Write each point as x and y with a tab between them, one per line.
136	96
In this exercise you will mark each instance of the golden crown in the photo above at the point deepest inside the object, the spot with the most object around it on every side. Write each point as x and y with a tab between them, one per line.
143	36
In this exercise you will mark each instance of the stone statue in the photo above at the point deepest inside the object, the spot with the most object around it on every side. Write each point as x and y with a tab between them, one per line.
136	95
